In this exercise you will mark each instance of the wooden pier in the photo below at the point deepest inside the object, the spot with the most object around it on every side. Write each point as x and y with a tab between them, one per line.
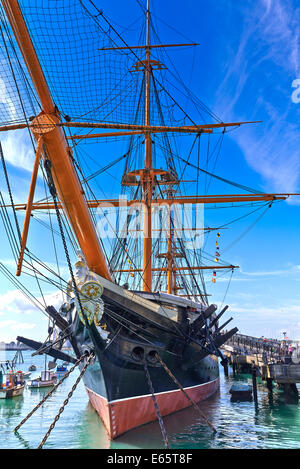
273	360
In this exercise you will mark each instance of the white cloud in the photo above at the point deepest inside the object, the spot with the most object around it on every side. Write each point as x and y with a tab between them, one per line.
259	311
276	161
268	52
10	329
19	315
16	326
7	101
270	320
18	149
14	301
292	269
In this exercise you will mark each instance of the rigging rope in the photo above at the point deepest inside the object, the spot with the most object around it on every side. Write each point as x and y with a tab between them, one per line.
10	192
21	287
136	56
226	291
227	181
52	189
269	205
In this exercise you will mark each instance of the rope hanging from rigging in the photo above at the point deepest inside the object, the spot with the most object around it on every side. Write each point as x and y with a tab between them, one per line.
52	189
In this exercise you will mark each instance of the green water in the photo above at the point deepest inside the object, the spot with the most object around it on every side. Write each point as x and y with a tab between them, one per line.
272	424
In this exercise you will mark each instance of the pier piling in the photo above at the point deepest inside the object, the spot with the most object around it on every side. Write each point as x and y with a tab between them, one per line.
269	385
224	363
254	383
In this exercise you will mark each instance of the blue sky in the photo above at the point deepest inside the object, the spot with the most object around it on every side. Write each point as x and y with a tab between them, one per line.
243	69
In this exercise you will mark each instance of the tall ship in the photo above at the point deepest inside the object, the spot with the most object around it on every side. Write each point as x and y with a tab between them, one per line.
136	309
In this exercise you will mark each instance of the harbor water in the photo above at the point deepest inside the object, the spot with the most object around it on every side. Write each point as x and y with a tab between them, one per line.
274	423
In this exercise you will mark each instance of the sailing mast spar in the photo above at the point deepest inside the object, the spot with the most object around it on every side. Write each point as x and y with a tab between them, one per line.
148	175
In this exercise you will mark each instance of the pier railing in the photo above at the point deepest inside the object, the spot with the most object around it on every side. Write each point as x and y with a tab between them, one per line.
275	359
271	349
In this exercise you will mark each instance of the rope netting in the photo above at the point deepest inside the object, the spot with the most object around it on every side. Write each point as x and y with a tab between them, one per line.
86	83
17	99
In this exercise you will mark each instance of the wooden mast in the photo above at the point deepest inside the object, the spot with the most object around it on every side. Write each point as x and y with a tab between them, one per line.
46	127
148	177
170	237
170	247
38	154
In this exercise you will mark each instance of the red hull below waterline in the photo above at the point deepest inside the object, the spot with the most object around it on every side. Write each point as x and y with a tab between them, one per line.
121	415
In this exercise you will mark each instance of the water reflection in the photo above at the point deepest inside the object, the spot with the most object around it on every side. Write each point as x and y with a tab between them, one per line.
273	423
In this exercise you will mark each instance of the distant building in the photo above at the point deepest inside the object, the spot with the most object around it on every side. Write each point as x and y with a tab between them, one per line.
13	346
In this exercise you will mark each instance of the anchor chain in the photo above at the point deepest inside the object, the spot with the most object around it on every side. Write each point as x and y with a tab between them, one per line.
194	404
160	420
90	357
53	192
50	392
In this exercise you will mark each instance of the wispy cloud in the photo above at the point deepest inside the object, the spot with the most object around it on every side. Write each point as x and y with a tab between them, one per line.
19	315
6	101
14	302
257	86
294	269
16	326
17	149
272	318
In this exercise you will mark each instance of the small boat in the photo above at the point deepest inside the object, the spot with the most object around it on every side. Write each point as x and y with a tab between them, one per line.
46	379
26	374
61	370
32	368
14	385
241	392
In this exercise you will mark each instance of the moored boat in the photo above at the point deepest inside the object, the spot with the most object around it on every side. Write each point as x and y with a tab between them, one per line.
13	386
47	379
61	370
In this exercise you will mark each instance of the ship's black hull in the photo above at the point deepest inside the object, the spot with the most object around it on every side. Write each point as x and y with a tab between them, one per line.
118	388
143	347
122	397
